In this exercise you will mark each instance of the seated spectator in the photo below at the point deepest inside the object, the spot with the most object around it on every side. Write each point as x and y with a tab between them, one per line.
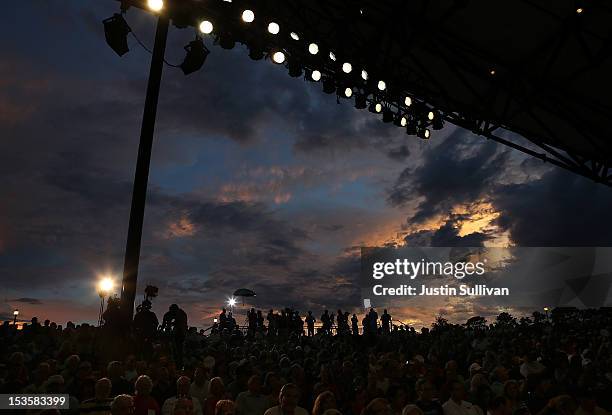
101	403
144	403
252	401
182	392
287	402
122	405
456	405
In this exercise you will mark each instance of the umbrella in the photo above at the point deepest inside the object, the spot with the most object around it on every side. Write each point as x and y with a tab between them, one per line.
244	292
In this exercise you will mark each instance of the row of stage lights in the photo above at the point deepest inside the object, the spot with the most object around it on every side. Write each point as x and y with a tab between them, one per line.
415	117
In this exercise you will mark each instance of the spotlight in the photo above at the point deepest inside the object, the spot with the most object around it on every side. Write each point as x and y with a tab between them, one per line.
332	56
116	30
438	122
375	107
226	40
345	92
273	28
408	101
430	115
196	55
400	120
423	133
411	128
155	5
364	75
360	101
295	69
278	57
382	85
313	48
579	10
315	76
294	36
387	115
231	302
248	16
206	27
256	52
329	85
347	67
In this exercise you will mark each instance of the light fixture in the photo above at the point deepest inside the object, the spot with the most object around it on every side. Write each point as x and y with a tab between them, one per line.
206	27
492	72
360	101
348	92
315	76
332	56
387	115
116	30
105	286
579	10
273	28
313	48
382	85
364	74
430	115
278	57
295	68
375	107
400	120
16	312
248	16
155	5
408	101
347	67
196	56
294	36
423	133
231	302
329	85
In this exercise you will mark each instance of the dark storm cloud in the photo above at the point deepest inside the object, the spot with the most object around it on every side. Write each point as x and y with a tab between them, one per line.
559	209
27	300
457	171
447	235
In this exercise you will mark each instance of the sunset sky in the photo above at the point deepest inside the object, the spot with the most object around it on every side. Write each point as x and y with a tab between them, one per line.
258	180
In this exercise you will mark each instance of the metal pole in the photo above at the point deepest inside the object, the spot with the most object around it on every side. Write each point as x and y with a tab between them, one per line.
141	177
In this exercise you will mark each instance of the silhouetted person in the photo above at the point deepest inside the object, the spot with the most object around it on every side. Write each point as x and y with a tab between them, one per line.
145	329
310	322
386	322
175	322
354	326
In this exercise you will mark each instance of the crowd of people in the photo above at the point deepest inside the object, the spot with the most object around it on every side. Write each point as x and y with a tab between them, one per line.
538	365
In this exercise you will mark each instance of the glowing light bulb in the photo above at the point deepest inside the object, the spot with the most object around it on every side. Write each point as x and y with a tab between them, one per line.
206	27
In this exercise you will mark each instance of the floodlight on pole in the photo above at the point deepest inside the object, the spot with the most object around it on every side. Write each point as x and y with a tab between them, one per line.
278	57
196	56
15	314
313	48
273	28
116	30
206	27
248	16
155	5
347	67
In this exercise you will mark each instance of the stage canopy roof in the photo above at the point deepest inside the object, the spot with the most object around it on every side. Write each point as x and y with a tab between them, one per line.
535	68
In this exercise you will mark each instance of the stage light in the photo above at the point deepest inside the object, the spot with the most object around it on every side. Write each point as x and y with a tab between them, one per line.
231	302
579	10
116	30
256	53
332	56
375	107
387	115
348	92
295	69
430	115
347	67
329	85
273	28
248	16
294	36
492	72
155	5
360	101
278	57
364	75
408	101
196	56
315	76
206	27
226	40
382	85
423	133
16	312
400	120
313	48
105	286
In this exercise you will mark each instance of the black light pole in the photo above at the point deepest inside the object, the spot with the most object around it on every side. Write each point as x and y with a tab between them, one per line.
141	177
